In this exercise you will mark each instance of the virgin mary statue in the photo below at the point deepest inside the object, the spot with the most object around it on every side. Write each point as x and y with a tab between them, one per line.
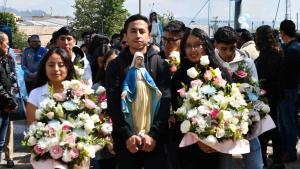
140	96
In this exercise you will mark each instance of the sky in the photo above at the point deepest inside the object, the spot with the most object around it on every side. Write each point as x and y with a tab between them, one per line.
256	10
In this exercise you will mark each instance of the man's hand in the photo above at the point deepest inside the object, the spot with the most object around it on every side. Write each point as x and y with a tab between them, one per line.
148	143
132	143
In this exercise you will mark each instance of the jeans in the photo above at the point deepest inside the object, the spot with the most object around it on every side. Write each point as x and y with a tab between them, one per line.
287	122
4	122
253	160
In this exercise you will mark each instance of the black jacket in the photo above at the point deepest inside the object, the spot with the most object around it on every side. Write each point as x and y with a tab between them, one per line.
115	75
291	65
269	66
7	78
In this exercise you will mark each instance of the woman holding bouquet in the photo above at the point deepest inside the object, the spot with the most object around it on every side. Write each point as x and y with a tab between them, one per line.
55	67
194	45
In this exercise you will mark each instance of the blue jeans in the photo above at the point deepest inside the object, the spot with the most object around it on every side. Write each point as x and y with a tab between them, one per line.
4	122
253	160
287	123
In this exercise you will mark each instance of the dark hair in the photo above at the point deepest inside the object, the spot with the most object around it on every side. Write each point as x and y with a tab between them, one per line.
85	33
225	35
246	35
265	39
151	15
288	27
115	35
42	78
207	46
134	18
83	45
66	30
97	41
175	26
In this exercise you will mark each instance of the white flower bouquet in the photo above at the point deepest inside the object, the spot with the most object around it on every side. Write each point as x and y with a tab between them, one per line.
212	109
174	61
69	126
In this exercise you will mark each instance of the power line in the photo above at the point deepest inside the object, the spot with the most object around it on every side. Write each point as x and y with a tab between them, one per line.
198	12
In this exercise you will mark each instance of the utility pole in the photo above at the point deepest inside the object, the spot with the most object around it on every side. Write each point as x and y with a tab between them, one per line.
237	13
297	20
140	7
208	18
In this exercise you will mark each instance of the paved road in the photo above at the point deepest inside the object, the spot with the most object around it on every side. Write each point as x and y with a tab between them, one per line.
21	155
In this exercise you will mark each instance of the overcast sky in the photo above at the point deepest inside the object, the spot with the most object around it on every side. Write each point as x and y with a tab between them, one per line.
256	9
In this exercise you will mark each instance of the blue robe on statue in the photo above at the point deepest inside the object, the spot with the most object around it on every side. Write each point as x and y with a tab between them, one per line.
130	86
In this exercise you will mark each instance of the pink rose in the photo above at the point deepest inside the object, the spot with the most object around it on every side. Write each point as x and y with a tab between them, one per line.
181	92
79	92
59	96
51	131
56	152
219	82
208	75
241	74
102	97
214	113
66	127
110	120
173	68
38	150
50	115
70	139
262	92
74	152
89	104
196	83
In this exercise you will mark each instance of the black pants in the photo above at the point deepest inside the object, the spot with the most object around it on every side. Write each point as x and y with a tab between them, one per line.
141	160
273	135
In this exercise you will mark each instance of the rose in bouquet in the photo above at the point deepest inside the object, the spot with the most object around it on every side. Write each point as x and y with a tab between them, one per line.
174	61
254	95
212	108
68	126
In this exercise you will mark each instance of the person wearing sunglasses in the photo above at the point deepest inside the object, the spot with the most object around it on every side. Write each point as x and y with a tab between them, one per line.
67	41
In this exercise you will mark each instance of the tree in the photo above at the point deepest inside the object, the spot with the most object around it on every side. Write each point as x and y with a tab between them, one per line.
19	39
166	17
106	16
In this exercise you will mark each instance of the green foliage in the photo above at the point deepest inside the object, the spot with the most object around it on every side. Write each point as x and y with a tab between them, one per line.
102	16
7	18
166	17
20	40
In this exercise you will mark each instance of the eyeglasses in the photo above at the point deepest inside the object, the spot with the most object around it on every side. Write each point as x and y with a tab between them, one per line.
170	40
197	46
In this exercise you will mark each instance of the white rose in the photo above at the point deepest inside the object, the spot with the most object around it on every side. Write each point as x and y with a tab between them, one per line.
66	84
218	72
192	72
89	125
78	71
106	128
204	60
266	108
95	118
226	115
185	126
203	110
66	156
80	145
176	55
38	113
201	122
32	141
192	113
100	90
103	105
75	84
211	140
181	110
88	91
220	133
245	128
91	150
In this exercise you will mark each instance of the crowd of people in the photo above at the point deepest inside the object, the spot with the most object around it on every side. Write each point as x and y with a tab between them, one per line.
150	138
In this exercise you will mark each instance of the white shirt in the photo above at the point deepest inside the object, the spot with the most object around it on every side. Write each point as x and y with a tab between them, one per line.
39	94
